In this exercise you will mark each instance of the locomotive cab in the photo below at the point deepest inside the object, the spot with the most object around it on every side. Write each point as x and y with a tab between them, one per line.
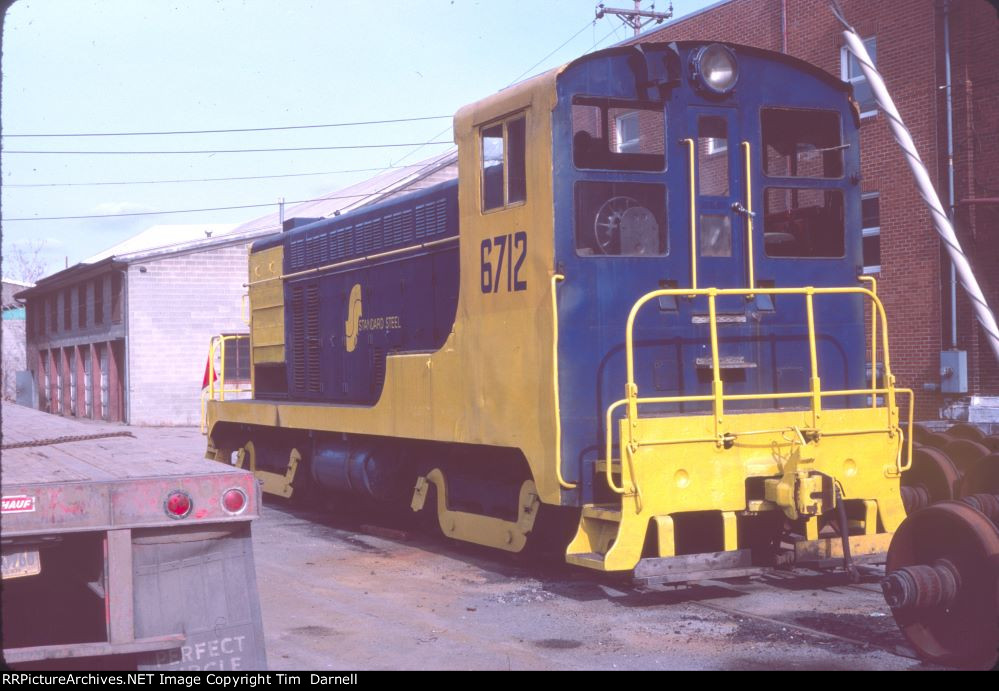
706	200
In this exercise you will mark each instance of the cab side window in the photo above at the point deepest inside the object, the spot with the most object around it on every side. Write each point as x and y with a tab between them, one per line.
504	164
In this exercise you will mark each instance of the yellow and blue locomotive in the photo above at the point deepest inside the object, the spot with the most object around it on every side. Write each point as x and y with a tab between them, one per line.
639	303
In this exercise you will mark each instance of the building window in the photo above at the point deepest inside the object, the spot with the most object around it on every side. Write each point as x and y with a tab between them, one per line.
116	297
617	135
88	386
50	310
81	305
99	301
504	166
628	135
67	310
870	211
850	72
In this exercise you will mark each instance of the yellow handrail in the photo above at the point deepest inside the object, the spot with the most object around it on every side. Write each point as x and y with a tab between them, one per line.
209	392
713	293
558	413
692	163
718	396
749	217
874	338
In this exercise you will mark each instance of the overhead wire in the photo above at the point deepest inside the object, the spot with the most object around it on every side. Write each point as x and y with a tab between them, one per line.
225	131
226	151
181	180
419	146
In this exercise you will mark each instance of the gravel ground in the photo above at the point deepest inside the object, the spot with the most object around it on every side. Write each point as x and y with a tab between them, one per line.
342	592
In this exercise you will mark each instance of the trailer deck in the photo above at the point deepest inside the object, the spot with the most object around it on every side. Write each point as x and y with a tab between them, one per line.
116	547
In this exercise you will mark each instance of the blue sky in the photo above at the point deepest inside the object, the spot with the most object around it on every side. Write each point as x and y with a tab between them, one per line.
152	66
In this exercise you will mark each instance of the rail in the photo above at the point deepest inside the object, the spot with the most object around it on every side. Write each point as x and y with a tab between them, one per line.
209	390
718	397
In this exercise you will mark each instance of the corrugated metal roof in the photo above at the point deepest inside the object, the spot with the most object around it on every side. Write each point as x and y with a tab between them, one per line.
390	183
163	237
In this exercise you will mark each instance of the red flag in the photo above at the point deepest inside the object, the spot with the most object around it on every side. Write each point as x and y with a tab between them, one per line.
210	375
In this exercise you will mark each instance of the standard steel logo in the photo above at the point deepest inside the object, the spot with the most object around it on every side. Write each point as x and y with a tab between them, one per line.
21	503
354	311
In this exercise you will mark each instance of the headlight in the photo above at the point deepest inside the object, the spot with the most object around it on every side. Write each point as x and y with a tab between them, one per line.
714	68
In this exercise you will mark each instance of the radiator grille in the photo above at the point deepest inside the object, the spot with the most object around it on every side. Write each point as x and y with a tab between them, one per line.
391	231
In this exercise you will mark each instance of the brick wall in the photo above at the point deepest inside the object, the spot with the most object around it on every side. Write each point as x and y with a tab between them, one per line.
914	278
174	307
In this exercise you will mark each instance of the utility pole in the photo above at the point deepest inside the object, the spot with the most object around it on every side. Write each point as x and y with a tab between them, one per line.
636	18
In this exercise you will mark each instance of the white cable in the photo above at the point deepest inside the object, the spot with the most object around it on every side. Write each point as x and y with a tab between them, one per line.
940	220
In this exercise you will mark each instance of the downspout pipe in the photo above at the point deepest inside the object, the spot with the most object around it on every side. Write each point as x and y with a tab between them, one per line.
941	221
948	86
783	26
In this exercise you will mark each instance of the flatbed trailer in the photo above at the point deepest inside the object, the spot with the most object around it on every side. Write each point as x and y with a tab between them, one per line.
123	554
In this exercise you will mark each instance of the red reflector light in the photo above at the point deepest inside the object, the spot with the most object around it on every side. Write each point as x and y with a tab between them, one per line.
178	504
234	500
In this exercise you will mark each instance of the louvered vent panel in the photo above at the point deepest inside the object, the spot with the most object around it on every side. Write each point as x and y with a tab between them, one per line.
440	216
316	250
312	342
420	226
407	236
345	242
377	369
298	374
297	258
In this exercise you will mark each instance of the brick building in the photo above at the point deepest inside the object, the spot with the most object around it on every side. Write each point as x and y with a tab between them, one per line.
123	336
910	41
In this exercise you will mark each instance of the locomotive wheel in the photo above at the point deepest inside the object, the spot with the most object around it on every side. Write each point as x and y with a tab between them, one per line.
988	504
983	478
964	430
932	478
965	454
942	574
937	440
919	433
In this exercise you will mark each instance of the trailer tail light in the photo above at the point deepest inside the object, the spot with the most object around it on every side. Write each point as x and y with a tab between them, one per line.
234	501
178	504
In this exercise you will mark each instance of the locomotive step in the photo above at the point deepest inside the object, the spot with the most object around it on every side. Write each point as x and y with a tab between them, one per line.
590	560
601	466
604	512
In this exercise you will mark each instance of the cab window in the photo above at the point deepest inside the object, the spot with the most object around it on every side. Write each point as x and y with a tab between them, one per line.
803	222
802	143
504	164
617	135
622	219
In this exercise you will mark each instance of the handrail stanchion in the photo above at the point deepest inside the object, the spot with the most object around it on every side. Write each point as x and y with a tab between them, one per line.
815	382
716	382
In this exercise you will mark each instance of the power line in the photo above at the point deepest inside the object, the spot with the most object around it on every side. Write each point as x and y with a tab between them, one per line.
514	81
186	211
223	131
567	41
163	182
224	151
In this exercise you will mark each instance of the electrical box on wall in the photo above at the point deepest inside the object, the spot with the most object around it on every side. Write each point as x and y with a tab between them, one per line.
953	371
